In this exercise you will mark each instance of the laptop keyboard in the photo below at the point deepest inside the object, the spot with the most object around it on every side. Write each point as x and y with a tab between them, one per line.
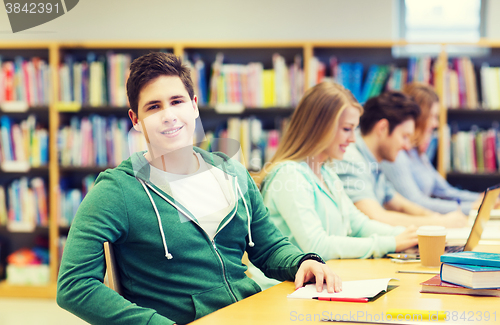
454	249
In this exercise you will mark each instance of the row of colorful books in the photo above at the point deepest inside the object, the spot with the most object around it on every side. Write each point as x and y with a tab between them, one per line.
474	151
94	141
23	204
460	84
249	85
70	199
97	81
366	84
25	80
244	140
466	273
23	142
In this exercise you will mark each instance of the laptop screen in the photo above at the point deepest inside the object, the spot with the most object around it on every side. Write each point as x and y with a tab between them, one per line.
483	216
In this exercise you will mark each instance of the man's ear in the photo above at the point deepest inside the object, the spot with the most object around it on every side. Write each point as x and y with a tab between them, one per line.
382	127
195	106
135	120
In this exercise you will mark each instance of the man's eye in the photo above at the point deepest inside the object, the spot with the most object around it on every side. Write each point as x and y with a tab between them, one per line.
177	102
153	107
347	129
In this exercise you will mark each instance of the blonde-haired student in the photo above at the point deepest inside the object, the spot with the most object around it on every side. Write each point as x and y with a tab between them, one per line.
413	175
306	200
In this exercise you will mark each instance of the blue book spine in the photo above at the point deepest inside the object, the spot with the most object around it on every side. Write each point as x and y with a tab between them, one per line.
44	149
356	80
472	258
369	82
345	69
70	61
7	147
411	68
20	89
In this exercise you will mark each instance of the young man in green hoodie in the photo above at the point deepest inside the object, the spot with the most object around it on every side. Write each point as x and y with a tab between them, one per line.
180	219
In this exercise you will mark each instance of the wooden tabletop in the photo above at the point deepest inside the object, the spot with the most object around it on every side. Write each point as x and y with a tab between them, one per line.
273	307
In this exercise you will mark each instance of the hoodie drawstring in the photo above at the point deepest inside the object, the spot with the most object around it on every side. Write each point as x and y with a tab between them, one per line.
167	254
250	241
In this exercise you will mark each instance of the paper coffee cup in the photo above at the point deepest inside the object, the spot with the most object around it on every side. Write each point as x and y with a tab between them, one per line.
431	244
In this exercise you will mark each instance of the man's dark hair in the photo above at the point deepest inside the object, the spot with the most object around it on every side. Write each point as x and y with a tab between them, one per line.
151	66
394	106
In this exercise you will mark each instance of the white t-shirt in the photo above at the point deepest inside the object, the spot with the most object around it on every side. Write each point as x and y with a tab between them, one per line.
199	192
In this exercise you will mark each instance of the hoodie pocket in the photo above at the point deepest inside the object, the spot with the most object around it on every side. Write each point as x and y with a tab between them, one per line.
210	301
245	287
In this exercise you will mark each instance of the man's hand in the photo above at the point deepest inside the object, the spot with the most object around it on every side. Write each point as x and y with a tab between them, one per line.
310	269
454	219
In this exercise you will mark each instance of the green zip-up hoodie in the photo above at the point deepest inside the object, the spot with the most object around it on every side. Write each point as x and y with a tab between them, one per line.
170	271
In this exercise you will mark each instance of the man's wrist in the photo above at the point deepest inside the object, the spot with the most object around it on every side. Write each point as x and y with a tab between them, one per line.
311	256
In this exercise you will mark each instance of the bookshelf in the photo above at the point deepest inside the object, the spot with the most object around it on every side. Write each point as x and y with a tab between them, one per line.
240	53
34	113
477	119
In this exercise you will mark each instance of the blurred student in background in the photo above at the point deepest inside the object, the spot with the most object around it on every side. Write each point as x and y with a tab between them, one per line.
307	201
386	127
412	174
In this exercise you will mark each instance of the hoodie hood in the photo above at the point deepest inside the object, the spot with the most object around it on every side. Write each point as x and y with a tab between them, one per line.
138	166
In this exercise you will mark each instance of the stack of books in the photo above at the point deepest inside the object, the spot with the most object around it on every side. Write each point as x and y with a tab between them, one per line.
23	142
244	140
96	81
467	273
25	80
249	85
24	204
474	151
94	141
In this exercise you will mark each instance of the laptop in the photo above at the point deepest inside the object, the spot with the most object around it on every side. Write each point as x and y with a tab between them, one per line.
483	216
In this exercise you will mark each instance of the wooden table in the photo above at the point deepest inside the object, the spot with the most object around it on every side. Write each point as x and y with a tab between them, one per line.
273	307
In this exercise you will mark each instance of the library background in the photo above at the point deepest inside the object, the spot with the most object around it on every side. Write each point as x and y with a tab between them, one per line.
63	105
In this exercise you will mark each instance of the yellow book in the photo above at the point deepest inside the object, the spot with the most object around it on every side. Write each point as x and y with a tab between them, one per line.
3	207
268	88
245	142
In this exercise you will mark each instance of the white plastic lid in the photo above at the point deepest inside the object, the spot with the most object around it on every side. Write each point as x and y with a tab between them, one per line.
431	231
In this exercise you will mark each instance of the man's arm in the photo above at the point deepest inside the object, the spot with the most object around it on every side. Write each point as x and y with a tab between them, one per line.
377	212
401	204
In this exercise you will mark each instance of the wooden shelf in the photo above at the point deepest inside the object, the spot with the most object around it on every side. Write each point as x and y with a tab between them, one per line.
89	170
271	111
101	110
473	175
8	290
34	109
32	172
468	113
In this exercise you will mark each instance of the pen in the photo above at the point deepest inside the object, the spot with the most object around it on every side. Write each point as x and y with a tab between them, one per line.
355	321
342	299
418	272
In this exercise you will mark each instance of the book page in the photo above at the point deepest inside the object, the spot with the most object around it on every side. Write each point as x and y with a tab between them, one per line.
350	289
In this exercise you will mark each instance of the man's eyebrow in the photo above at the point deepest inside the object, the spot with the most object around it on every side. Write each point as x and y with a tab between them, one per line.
177	97
154	101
